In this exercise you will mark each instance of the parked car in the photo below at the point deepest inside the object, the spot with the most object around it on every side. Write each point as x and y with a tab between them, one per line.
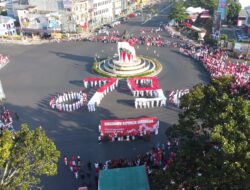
115	23
103	31
122	19
131	15
138	13
108	26
97	30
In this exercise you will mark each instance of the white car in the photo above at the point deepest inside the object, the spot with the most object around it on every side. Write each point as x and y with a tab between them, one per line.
115	23
103	31
138	13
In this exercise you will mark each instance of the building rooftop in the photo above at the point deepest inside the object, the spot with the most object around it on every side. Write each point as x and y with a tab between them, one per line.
132	178
5	19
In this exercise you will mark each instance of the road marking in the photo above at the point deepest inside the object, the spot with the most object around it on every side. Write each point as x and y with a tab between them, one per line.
156	14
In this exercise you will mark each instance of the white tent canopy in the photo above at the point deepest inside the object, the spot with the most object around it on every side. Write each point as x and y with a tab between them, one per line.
194	10
2	95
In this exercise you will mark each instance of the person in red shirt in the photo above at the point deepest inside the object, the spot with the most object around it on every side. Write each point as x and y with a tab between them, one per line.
71	165
75	169
65	160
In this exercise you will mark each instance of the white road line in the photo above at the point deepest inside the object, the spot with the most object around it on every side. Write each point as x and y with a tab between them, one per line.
157	13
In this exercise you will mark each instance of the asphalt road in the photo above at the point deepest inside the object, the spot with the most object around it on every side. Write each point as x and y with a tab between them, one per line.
37	72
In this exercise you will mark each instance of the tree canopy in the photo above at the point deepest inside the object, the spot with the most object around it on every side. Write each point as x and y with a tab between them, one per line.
233	10
25	157
214	132
178	11
211	5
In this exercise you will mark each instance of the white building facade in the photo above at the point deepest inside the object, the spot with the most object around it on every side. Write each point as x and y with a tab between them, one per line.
7	26
80	11
102	11
117	8
47	5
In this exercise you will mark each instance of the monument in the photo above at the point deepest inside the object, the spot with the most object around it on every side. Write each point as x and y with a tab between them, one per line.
127	63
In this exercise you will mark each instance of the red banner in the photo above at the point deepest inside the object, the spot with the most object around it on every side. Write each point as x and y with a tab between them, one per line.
129	127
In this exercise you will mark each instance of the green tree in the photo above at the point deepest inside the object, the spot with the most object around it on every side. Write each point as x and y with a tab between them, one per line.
178	11
215	141
233	10
210	5
25	158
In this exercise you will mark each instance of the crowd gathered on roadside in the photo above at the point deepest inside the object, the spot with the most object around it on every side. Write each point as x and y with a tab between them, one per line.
6	120
146	36
159	157
215	61
217	64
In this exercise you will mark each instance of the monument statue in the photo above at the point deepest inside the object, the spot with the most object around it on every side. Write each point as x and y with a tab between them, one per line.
126	51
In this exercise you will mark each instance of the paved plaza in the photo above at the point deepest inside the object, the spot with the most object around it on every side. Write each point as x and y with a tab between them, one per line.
37	72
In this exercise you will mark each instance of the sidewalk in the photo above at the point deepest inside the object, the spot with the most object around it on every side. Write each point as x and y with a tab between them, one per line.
24	42
30	41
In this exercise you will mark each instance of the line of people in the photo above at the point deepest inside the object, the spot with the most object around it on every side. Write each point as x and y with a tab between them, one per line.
68	101
175	95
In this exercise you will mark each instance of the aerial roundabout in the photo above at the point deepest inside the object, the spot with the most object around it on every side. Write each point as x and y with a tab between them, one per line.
127	64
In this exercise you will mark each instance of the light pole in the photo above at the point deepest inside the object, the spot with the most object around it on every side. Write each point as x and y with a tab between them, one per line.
248	51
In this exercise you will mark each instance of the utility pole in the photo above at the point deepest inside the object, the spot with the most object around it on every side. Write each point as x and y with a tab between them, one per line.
248	51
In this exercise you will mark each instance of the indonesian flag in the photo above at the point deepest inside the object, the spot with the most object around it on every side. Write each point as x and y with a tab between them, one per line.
131	43
83	24
129	56
187	24
124	55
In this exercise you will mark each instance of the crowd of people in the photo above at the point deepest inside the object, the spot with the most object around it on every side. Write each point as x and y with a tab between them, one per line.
6	121
68	101
216	61
149	37
217	64
175	95
74	164
159	157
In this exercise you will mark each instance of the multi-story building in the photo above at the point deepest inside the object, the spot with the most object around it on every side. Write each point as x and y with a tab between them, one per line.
247	22
141	3
7	26
13	5
124	6
3	4
39	23
80	11
47	5
102	11
117	8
